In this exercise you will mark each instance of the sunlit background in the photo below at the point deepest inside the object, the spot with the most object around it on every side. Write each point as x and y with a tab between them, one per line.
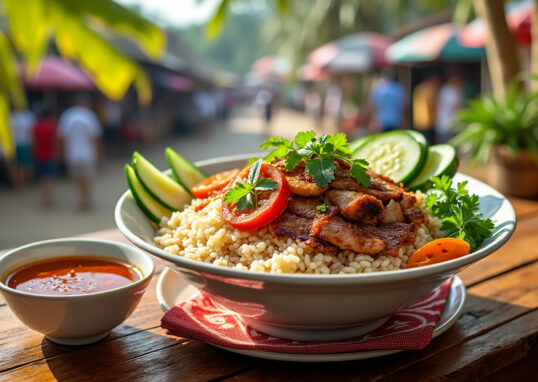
215	77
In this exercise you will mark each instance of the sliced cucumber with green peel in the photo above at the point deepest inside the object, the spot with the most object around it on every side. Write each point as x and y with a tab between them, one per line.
151	208
161	187
186	173
359	142
442	160
419	137
395	154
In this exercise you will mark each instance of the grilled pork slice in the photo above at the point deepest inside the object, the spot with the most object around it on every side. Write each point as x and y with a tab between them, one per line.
414	216
381	191
357	206
393	235
408	201
345	235
393	213
301	182
289	225
305	207
292	226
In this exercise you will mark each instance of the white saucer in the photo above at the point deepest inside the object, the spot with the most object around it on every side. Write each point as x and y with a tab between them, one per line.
172	289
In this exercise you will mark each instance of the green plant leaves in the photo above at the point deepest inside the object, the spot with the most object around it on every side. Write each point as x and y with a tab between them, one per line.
121	21
10	89
214	26
29	29
512	121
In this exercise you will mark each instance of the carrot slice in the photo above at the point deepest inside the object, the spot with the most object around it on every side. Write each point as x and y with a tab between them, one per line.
438	251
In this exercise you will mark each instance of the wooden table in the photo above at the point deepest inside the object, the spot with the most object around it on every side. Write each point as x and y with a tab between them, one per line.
496	337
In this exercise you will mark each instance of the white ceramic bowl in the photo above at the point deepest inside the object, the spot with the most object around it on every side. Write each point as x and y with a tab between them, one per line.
75	319
314	307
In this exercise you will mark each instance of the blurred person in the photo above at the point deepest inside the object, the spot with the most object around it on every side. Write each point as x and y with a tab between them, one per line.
264	101
80	136
450	100
334	104
22	122
207	108
313	104
45	154
113	121
425	106
389	103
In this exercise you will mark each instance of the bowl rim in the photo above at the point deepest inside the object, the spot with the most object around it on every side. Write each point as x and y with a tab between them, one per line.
450	266
146	277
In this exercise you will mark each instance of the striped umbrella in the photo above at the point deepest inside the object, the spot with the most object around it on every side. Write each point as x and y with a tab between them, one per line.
436	43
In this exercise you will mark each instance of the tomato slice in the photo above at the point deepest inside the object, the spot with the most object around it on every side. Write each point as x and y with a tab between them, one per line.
214	183
270	205
437	251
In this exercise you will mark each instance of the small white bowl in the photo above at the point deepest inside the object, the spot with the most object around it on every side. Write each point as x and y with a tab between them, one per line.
75	319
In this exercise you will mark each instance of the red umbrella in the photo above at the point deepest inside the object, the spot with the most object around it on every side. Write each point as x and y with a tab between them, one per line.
518	18
57	74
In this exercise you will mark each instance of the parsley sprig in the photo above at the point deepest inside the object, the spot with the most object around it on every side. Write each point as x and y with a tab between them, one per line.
317	154
246	194
459	212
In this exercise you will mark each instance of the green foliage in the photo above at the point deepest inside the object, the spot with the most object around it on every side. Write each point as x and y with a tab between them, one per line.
512	121
322	207
80	30
459	212
317	154
246	194
214	25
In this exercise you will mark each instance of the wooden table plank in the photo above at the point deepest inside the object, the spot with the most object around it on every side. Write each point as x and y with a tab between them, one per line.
521	249
481	356
148	355
524	207
486	310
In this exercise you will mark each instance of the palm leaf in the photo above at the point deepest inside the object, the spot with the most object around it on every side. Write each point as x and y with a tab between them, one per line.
29	29
119	19
6	139
214	26
112	71
10	84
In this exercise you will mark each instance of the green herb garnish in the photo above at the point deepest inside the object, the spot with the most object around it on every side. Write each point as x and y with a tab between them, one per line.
246	194
318	155
322	207
459	212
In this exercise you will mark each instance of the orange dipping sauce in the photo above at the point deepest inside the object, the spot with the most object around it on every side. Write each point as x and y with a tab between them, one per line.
75	275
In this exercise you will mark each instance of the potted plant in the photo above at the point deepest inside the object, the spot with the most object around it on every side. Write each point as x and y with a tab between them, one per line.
503	132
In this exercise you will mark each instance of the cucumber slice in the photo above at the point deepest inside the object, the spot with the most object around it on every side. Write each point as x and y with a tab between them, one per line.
149	206
161	187
442	160
359	142
395	154
419	137
186	173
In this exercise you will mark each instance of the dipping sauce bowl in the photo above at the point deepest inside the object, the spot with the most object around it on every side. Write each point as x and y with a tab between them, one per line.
82	318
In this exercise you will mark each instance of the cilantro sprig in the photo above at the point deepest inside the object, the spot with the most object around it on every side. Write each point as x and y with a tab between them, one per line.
322	207
246	194
459	212
318	154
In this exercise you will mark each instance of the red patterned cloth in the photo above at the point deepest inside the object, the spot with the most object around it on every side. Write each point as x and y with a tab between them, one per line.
409	328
